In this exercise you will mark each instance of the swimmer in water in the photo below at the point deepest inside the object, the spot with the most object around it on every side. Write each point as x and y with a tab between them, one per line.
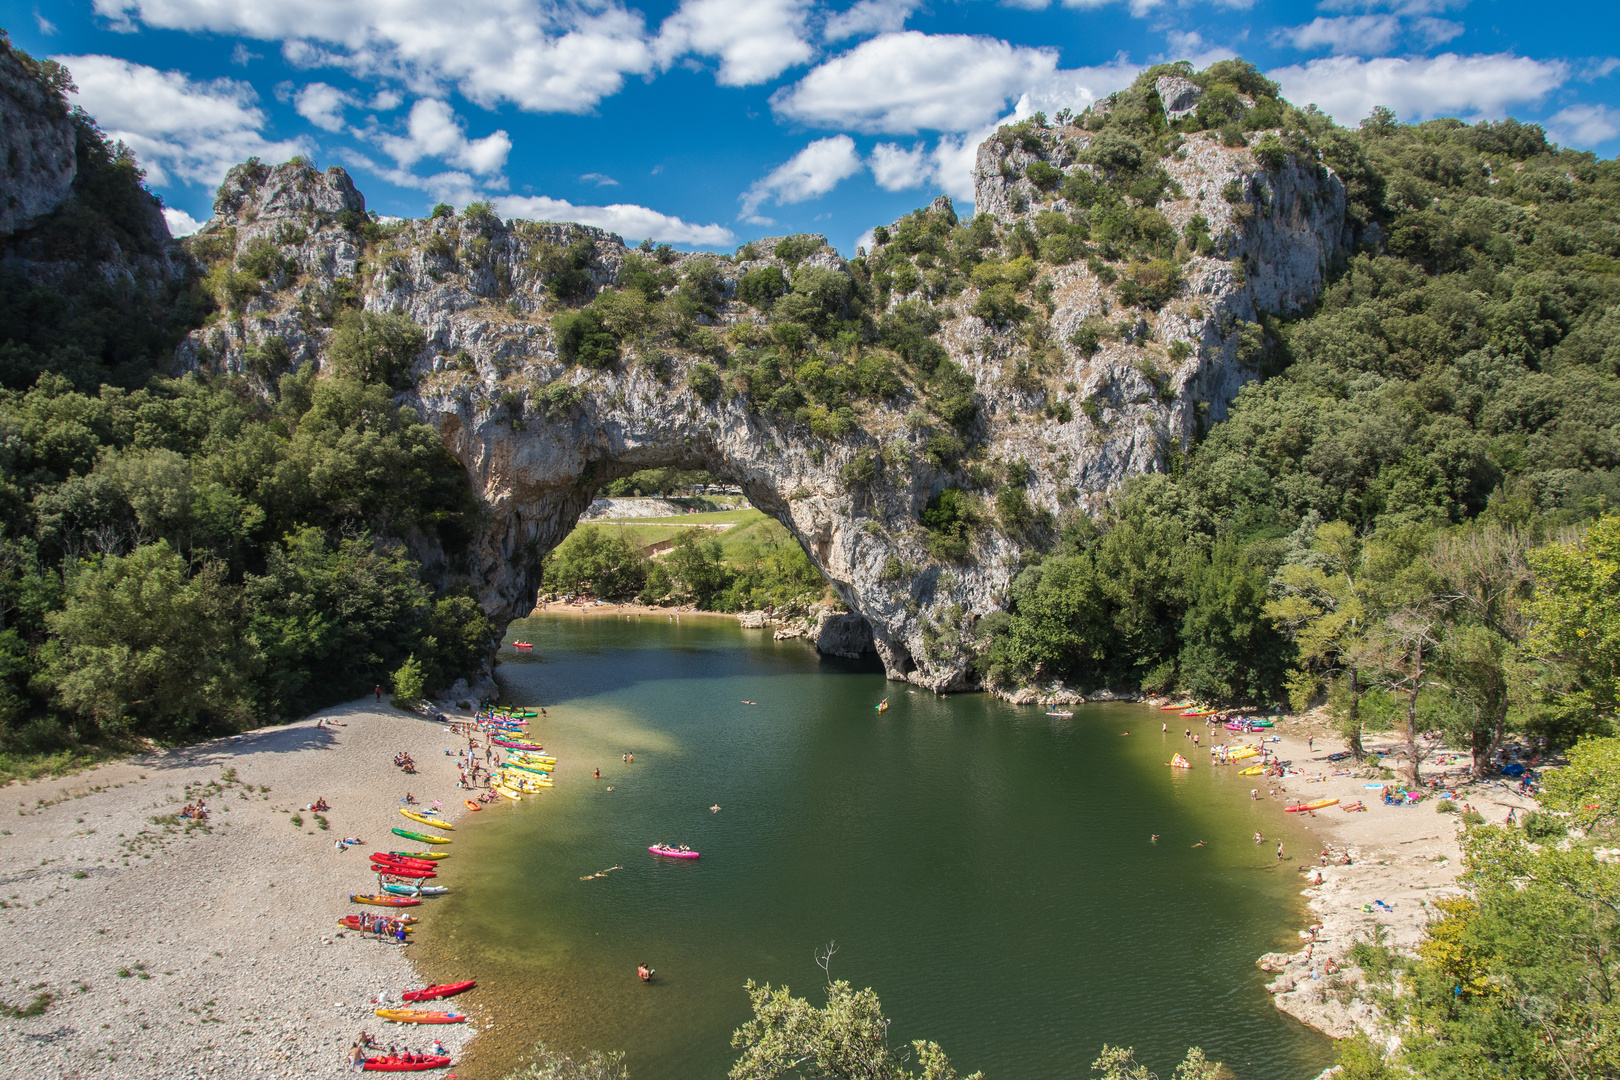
1199	844
1154	839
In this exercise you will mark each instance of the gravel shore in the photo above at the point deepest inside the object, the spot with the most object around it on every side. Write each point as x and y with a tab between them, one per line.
1404	856
176	951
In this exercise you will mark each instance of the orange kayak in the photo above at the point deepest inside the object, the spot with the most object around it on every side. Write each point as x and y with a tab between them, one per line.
421	1016
469	804
383	900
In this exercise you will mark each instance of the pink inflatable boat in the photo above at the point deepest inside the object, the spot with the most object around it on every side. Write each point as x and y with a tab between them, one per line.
672	852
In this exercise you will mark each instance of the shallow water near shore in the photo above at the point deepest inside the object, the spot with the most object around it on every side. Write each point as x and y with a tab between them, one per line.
985	868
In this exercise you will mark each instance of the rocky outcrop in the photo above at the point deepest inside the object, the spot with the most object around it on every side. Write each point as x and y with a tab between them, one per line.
38	162
1179	96
539	435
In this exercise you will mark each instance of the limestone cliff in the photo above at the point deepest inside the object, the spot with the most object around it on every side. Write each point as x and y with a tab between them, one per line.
37	135
539	433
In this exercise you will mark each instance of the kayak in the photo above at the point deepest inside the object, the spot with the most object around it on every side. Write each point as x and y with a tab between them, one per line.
1262	723
1058	712
1317	805
534	755
420	856
391	859
379	900
882	706
443	990
510	793
420	838
427	819
538	770
413	1063
417	890
1253	770
1177	707
522	645
421	1016
671	852
510	745
1243	752
1199	712
401	871
469	804
353	922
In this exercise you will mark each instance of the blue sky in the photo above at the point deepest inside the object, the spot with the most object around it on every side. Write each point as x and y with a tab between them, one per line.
709	122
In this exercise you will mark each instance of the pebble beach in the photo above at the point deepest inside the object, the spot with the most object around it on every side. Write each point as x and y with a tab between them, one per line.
171	950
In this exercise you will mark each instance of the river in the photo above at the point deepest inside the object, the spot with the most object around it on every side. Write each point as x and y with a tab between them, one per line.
987	869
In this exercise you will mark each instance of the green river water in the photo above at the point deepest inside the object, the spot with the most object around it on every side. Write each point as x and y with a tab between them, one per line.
985	868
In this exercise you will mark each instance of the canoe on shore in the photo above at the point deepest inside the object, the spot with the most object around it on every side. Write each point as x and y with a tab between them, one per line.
1252	770
409	1063
383	900
1176	707
420	838
427	819
421	1016
443	990
389	858
1317	805
398	870
419	856
353	923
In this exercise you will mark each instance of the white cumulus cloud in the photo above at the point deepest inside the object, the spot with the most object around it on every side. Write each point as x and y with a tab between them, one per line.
897	168
631	222
910	81
1347	34
434	131
756	40
541	55
1584	125
181	129
810	173
323	105
1349	87
180	223
868	17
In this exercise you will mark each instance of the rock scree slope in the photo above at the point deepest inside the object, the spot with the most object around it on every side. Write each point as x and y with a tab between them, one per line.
538	433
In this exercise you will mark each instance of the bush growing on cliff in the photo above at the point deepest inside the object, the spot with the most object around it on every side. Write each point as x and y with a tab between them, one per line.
583	337
372	348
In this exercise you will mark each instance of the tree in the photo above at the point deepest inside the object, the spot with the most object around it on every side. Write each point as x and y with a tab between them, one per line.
409	683
1119	1063
147	646
1484	579
1576	608
848	1038
373	348
1588	788
1327	607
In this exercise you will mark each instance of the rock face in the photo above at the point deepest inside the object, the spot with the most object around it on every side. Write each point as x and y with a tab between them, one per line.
539	435
38	162
1178	96
847	635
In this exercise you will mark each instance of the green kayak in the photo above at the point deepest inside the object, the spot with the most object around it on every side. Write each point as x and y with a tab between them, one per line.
421	838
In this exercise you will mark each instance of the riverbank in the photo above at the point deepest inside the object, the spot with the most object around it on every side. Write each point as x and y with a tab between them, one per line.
1403	859
169	949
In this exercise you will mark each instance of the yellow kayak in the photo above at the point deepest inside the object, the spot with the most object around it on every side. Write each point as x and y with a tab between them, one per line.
1245	752
428	819
1253	770
510	793
534	759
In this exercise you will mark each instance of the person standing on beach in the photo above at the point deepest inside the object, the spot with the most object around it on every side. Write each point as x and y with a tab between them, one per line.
378	691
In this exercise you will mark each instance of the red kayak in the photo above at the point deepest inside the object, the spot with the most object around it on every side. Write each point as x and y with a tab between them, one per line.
402	860
443	991
402	871
410	1063
426	868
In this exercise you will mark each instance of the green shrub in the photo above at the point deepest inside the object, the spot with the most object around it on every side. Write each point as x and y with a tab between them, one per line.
795	249
999	306
704	379
761	287
583	338
1540	826
372	348
559	400
1043	176
950	520
262	259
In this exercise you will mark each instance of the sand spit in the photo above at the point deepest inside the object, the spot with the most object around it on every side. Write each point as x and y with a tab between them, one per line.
1402	860
176	952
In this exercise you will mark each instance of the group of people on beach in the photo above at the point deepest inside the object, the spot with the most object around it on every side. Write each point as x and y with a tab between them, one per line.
358	1056
197	811
382	925
403	760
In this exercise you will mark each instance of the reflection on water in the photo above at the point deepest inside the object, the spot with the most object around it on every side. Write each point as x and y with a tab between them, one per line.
986	868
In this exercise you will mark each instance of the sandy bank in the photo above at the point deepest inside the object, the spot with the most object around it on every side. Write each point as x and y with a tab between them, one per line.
176	952
1406	857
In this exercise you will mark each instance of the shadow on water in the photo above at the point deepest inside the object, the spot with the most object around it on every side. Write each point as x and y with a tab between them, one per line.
987	869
